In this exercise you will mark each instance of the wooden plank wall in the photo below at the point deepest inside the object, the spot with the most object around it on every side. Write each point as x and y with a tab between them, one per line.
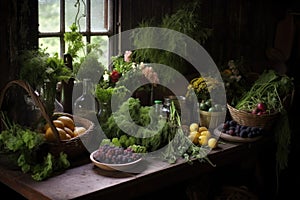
240	28
18	30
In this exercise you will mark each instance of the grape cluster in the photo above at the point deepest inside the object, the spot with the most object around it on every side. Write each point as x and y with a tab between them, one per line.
232	128
115	155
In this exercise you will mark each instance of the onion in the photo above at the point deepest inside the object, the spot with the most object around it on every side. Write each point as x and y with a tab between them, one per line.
261	107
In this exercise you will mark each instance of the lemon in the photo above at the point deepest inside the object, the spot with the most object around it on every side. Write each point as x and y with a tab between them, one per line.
78	130
194	136
202	128
206	133
203	140
194	127
212	143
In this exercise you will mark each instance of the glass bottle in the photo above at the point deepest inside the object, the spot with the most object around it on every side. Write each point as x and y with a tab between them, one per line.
49	95
158	108
85	105
166	108
66	87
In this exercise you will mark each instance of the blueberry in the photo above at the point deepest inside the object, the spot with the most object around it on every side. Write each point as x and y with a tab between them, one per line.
254	128
232	123
243	133
248	129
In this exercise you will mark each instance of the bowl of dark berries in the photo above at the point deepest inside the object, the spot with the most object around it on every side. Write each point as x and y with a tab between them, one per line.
113	158
230	130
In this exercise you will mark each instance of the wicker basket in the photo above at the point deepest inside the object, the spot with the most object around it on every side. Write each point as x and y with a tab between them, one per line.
73	147
211	119
244	118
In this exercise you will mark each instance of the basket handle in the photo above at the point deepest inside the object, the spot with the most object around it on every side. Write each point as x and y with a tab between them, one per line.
26	86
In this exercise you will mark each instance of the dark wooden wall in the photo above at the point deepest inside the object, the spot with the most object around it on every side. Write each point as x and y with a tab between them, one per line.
240	28
18	31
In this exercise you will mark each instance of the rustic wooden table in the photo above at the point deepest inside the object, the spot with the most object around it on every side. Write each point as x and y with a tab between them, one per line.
89	182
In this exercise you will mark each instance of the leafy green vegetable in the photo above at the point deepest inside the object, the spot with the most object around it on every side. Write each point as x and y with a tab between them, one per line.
123	140
115	141
151	132
138	148
49	166
37	66
105	141
27	144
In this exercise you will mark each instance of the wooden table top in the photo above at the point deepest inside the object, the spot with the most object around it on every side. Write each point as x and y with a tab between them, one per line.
88	182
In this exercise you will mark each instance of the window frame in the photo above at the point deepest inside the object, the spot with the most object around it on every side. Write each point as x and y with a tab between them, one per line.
109	12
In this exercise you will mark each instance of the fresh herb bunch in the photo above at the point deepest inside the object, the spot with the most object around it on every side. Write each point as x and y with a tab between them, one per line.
181	146
74	41
43	72
37	66
270	88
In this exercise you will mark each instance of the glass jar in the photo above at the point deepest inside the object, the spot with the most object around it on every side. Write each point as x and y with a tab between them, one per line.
158	108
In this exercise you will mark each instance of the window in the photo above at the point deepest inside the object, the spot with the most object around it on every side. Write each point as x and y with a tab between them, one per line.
92	17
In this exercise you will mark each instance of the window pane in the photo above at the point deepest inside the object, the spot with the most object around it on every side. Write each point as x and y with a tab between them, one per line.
49	16
71	12
52	45
102	46
97	15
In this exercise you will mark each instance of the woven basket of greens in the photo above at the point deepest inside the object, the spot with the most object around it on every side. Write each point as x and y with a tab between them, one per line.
269	97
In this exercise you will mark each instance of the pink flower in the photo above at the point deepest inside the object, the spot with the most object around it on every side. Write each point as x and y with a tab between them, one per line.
127	56
150	75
